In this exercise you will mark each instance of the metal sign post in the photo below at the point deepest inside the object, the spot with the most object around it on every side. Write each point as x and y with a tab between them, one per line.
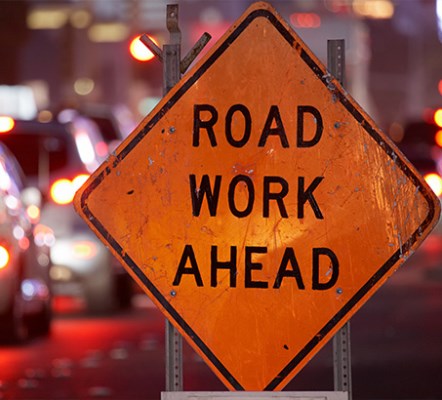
171	75
341	341
173	67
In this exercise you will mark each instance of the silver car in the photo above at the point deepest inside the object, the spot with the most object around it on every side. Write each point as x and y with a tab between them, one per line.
25	293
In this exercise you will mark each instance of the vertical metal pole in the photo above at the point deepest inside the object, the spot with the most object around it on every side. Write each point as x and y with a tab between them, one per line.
171	75
336	59
171	66
170	56
341	341
174	359
342	360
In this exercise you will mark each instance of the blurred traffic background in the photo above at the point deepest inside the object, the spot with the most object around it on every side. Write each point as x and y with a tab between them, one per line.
74	82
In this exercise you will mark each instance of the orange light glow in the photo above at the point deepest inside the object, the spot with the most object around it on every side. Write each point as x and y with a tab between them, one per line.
438	138
139	51
438	117
305	20
33	212
85	250
435	183
6	124
79	180
4	257
63	190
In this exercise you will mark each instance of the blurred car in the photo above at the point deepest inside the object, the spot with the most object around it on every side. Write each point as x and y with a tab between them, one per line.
113	123
90	143
25	292
419	145
81	265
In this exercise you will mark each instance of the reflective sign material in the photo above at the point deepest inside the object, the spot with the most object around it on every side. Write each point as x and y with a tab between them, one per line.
258	205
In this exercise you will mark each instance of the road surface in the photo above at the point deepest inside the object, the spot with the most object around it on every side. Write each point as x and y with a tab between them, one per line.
396	349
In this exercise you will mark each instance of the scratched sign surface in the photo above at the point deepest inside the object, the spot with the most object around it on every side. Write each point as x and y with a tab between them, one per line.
258	205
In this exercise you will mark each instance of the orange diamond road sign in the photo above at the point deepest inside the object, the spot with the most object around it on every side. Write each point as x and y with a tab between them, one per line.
257	205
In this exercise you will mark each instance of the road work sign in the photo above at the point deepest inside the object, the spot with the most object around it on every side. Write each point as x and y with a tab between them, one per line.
258	205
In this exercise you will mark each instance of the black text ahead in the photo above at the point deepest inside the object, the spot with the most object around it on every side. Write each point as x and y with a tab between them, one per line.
205	192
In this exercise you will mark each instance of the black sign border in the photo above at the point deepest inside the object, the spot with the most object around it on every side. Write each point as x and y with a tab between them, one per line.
322	76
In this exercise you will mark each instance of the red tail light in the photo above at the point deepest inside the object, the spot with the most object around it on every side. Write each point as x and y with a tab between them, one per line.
6	124
4	257
438	138
435	183
63	190
437	117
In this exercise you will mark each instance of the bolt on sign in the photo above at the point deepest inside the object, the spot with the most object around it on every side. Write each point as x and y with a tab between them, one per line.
258	205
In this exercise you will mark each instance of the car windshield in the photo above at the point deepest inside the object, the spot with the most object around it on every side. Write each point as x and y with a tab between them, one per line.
50	157
45	152
106	127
